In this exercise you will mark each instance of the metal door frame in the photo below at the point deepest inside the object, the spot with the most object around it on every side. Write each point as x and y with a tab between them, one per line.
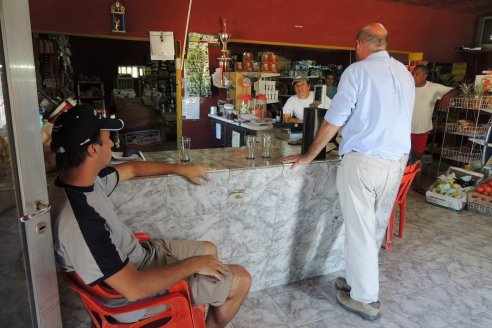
27	156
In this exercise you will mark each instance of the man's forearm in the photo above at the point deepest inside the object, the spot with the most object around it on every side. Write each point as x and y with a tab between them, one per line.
325	133
140	169
134	284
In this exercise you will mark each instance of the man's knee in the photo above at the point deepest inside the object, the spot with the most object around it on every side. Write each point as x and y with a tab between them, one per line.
241	280
210	249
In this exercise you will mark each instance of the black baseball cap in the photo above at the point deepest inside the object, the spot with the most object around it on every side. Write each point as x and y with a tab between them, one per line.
79	126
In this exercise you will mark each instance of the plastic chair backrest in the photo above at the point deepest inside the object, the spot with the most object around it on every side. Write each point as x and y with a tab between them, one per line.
177	315
99	290
406	181
180	314
412	167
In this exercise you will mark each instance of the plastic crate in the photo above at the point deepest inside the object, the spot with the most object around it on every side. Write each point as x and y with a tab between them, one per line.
478	205
478	202
448	201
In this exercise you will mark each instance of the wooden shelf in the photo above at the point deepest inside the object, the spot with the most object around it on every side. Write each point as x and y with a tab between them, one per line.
91	98
83	86
89	82
476	52
292	77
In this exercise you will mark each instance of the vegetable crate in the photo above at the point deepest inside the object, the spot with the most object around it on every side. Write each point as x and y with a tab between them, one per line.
480	200
453	203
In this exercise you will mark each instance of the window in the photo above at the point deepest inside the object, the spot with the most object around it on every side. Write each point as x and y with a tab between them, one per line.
134	71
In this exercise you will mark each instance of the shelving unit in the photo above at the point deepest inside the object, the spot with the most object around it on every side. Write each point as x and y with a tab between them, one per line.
242	82
92	92
165	84
470	142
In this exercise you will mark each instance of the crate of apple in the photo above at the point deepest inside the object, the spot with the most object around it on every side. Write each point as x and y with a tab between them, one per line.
483	191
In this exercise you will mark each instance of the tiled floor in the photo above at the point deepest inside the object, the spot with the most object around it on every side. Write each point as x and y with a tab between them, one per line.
438	275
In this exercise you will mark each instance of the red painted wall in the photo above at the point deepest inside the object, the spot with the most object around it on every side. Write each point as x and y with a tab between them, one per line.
321	22
318	22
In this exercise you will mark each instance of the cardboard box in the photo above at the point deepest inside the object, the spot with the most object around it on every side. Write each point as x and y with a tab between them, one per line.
448	201
143	138
485	81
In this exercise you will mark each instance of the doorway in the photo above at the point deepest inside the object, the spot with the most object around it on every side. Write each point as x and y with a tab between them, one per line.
29	293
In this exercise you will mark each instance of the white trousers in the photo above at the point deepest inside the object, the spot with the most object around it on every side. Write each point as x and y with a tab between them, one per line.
367	187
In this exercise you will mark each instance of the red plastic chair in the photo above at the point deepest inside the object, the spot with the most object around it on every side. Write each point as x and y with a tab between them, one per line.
180	312
401	201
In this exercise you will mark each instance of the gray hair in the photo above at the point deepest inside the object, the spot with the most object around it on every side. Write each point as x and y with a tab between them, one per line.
375	42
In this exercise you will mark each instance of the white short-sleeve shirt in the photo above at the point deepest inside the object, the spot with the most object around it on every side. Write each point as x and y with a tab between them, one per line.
295	105
425	100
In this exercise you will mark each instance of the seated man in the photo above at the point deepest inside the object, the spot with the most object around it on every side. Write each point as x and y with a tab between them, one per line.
91	240
294	107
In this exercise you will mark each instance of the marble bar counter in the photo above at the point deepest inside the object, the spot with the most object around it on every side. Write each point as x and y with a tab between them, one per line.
283	225
249	126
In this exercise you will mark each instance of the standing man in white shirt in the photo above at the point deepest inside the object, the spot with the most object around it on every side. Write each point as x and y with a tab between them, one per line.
373	108
294	106
426	95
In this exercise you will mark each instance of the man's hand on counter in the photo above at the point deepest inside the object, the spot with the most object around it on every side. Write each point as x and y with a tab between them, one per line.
193	172
325	133
299	159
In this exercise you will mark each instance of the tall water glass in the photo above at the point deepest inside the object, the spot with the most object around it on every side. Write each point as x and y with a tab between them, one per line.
250	146
267	142
185	143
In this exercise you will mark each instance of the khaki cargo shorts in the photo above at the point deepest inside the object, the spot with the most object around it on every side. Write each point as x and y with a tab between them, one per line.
203	289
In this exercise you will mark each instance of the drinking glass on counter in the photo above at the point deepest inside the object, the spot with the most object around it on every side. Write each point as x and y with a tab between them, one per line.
185	143
287	117
250	146
267	142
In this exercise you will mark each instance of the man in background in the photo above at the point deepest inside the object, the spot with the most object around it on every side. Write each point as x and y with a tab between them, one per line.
374	106
426	95
294	106
331	87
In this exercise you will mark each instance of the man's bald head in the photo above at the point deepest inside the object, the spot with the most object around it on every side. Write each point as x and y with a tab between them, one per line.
374	37
371	38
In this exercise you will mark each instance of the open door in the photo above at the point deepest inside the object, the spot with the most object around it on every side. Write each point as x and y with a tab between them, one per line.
29	290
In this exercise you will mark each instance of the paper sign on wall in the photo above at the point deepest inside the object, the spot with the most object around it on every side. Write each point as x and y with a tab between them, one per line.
191	108
161	45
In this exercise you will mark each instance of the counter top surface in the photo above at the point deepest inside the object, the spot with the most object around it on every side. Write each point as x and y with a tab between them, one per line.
249	126
231	158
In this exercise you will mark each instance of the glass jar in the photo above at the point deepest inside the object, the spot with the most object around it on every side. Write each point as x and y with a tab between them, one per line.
260	109
229	111
246	104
